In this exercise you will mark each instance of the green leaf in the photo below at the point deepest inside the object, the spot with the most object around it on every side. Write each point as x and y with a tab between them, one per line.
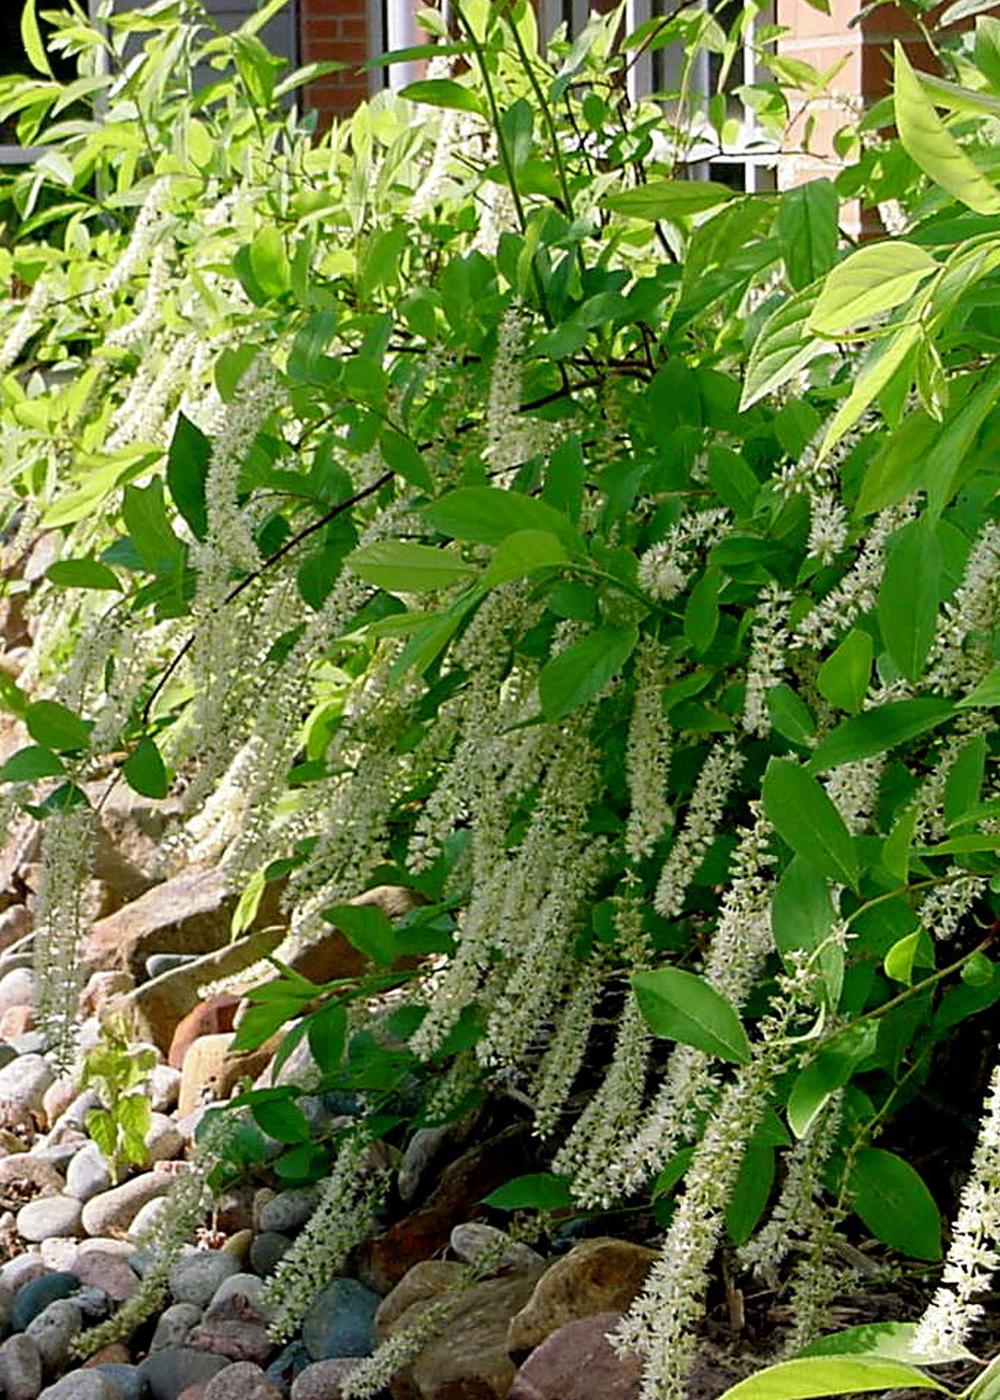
135	1118
401	567
55	726
404	457
987	1385
790	714
31	39
898	844
964	780
443	92
986	694
927	141
878	729
144	770
899	961
269	262
368	929
807	226
12	697
750	1192
829	1071
895	1204
804	816
577	674
909	595
145	515
534	1191
187	471
893	1341
803	917
327	1032
102	1129
784	345
487	515
808	1377
82	573
869	282
844	676
677	1005
701	612
882	362
668	199
31	763
522	553
259	1023
281	1119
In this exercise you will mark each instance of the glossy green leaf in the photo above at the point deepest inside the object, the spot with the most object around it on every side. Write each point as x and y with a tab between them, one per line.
750	1193
804	816
845	675
404	457
443	92
523	553
809	1378
401	567
879	729
187	470
928	141
964	780
281	1119
260	1022
534	1191
574	676
826	1073
904	954
55	726
868	283
487	515
884	360
892	1199
145	771
31	38
31	763
892	1341
807	226
269	262
327	1033
368	929
82	573
803	918
668	199
984	696
677	1005
909	595
784	346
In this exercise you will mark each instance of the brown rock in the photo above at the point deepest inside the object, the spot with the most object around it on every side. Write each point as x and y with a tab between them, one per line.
212	1017
244	1381
382	1262
109	1272
100	989
15	922
238	1340
17	1020
323	1379
114	1354
32	1171
211	1070
58	1097
117	1208
189	913
579	1363
467	1359
598	1276
155	1008
329	955
426	1280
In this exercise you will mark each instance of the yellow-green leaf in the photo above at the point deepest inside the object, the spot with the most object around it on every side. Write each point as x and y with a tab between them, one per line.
929	142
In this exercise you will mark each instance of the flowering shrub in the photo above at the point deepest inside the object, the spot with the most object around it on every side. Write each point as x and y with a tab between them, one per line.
467	501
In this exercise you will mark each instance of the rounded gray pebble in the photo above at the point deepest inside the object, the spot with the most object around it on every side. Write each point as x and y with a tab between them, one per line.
195	1277
49	1217
175	1323
266	1250
53	1331
83	1385
288	1210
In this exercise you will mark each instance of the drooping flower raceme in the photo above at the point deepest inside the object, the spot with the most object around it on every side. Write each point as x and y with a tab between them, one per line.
974	1255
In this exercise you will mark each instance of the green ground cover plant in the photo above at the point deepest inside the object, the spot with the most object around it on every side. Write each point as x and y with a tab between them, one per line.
469	501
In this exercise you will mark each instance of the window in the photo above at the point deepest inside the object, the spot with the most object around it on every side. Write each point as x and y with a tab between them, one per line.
746	159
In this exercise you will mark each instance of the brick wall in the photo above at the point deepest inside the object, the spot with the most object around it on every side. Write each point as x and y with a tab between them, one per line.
338	31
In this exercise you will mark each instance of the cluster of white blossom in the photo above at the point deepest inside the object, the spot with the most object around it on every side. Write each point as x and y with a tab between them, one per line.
567	1046
664	568
828	523
853	789
67	854
145	232
963	648
29	320
342	1219
510	438
698	830
943	909
647	755
857	591
974	1254
766	664
147	319
661	1323
798	1203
